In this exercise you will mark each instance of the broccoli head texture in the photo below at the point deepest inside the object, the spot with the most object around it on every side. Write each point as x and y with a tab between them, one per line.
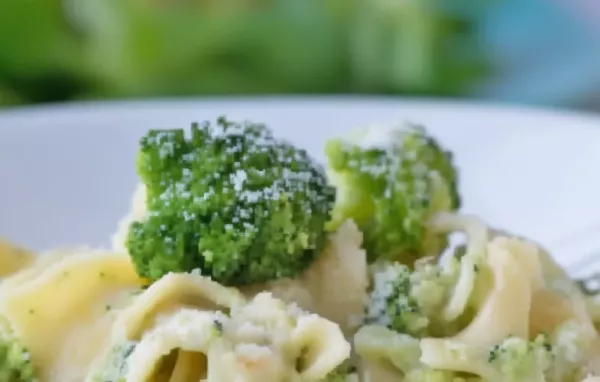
570	343
519	359
409	301
15	361
230	200
560	356
390	182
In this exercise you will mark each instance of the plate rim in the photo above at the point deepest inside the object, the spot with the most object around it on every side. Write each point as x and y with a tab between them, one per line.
125	106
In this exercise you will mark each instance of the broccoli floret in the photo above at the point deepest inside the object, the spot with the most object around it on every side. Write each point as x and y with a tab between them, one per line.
232	201
115	367
15	360
558	357
391	187
519	359
571	343
410	301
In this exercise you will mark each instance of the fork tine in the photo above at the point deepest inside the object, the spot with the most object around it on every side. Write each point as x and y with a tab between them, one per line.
590	285
584	262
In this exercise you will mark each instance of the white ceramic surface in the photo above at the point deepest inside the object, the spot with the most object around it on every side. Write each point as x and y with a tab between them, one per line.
67	172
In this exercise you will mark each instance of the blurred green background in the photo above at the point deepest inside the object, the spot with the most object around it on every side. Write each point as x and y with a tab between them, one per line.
56	50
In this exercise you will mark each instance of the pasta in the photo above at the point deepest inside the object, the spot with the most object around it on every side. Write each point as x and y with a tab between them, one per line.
531	295
61	311
335	285
505	312
12	258
103	308
185	327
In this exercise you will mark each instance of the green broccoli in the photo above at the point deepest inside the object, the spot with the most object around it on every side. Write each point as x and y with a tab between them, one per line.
230	200
519	359
410	301
571	342
390	182
558	357
15	364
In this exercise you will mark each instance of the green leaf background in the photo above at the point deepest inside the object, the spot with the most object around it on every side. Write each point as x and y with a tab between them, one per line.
53	50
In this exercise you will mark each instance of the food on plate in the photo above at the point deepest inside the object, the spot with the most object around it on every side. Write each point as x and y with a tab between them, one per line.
243	260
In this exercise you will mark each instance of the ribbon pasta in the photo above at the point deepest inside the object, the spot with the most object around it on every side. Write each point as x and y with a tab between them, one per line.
87	316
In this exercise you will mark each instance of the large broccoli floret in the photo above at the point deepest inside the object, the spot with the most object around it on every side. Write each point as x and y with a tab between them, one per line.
390	182
15	361
410	301
230	200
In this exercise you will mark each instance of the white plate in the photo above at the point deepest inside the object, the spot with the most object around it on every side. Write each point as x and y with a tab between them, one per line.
67	172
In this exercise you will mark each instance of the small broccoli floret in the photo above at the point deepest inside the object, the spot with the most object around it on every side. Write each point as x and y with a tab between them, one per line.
519	359
391	187
15	360
571	343
410	301
559	357
230	200
115	367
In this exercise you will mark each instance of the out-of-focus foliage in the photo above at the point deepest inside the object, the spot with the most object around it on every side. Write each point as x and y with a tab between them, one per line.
57	50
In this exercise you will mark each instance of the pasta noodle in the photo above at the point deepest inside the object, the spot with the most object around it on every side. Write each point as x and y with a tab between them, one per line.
61	312
528	297
187	331
80	314
477	235
335	285
339	280
505	312
171	293
138	212
13	258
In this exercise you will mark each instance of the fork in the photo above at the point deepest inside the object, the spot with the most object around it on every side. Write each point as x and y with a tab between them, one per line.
586	269
589	284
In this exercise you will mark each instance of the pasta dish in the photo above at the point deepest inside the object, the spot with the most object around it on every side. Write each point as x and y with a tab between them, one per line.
242	259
